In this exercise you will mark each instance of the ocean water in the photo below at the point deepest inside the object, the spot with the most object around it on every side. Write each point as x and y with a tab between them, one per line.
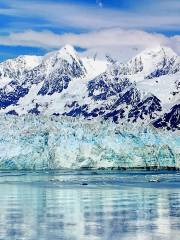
90	205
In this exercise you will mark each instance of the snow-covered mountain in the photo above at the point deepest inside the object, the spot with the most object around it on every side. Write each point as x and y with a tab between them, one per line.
153	63
143	91
14	69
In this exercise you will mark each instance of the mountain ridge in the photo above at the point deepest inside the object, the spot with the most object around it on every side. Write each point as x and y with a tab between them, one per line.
63	83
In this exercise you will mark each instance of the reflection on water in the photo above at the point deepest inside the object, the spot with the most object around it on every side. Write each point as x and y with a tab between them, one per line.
33	212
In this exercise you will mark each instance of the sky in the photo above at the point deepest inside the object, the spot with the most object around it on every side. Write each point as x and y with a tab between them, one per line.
119	28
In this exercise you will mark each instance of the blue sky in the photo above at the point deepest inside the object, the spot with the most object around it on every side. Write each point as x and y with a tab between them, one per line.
39	26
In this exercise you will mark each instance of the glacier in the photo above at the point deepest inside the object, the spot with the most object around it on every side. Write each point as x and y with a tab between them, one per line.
32	142
63	110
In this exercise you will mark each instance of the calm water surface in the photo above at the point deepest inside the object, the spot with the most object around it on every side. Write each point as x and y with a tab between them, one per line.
88	205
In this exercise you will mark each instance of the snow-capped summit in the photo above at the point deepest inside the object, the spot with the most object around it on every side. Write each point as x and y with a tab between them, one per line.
66	53
50	75
155	62
13	69
56	70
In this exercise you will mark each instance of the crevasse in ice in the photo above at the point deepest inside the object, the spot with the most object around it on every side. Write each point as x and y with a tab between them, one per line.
33	142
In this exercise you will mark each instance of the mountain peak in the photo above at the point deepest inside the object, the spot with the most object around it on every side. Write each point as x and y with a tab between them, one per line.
28	61
13	69
68	52
159	51
68	48
152	60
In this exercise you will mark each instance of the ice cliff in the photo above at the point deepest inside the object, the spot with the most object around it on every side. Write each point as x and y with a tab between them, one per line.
36	142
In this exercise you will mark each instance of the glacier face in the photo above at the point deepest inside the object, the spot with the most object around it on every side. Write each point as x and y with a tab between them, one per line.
36	142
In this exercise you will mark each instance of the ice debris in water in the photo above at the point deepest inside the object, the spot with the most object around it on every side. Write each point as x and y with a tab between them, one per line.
34	142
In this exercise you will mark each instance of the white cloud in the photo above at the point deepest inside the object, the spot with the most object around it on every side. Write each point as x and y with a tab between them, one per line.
103	25
115	41
90	17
